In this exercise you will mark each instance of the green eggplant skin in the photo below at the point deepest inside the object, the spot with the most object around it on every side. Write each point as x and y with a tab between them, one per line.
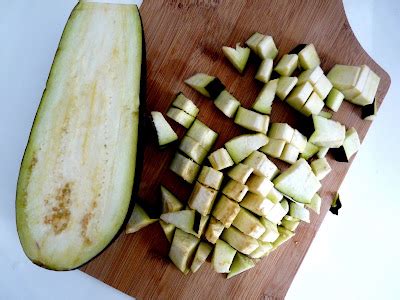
77	174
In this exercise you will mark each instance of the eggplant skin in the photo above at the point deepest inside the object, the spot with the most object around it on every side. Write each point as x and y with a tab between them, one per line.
77	174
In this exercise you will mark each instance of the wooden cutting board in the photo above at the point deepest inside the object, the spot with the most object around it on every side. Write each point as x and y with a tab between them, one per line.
184	37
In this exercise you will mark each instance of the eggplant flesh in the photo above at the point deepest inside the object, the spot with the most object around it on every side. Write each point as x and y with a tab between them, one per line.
77	174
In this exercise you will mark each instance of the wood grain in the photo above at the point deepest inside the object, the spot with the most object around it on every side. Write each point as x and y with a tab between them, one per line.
185	37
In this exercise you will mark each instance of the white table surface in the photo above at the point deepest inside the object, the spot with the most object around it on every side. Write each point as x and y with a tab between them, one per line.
354	256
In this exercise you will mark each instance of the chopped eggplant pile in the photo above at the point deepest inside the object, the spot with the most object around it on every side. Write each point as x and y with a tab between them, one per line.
242	206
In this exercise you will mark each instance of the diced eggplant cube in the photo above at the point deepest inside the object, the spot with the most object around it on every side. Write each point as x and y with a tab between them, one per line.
328	133
350	146
285	86
276	213
202	252
299	96
259	185
315	204
249	224
242	146
357	89
165	133
220	159
368	112
313	106
193	149
226	210
311	76
275	196
321	168
309	151
266	48
262	165
308	57
281	131
298	211
182	250
322	152
257	204
264	70
202	199
138	220
180	117
334	100
325	114
299	140
287	64
210	177
252	120
274	148
226	103
369	91
183	219
271	231
323	87
344	77
263	250
284	236
214	230
214	88
240	241
184	167
290	154
237	56
290	223
187	105
254	40
298	182
169	201
223	256
169	230
265	98
199	82
203	134
240	264
200	223
235	190
240	173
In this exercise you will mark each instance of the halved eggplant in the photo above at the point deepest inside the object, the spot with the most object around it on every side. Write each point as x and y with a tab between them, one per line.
70	204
